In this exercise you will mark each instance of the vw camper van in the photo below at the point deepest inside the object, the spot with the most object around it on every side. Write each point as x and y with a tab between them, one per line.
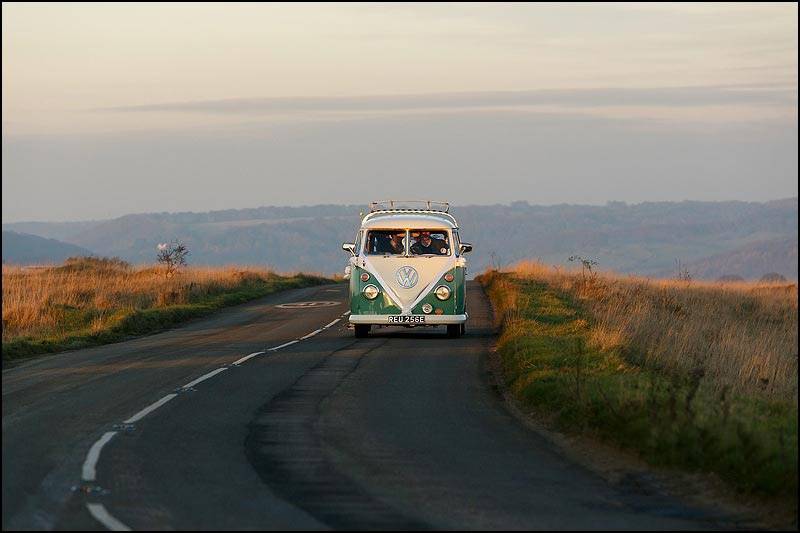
407	268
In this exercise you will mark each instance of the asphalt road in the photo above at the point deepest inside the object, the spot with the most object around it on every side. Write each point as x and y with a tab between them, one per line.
397	431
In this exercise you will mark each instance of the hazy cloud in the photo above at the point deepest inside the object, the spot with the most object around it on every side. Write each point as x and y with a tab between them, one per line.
775	95
118	108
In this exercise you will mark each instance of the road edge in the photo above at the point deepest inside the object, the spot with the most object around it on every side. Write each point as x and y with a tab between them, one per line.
621	468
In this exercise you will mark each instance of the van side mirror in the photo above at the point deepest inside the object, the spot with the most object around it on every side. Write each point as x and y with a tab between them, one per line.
350	247
464	248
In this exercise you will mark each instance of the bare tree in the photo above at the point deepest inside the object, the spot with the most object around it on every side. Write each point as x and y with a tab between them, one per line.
586	264
683	272
172	255
495	259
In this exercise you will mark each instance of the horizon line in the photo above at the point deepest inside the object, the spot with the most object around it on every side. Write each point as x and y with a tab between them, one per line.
366	206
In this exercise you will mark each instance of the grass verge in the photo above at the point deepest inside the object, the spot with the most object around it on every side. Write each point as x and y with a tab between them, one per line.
555	362
93	302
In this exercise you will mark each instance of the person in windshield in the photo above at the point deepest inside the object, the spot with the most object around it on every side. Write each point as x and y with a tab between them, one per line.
392	244
396	243
427	245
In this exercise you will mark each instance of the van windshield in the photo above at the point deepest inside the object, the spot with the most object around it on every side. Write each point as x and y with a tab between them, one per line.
386	242
429	242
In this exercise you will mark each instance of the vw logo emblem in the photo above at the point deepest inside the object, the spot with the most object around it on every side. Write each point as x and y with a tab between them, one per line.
406	277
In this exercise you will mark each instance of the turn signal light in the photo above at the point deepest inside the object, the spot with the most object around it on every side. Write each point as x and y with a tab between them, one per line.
449	277
364	276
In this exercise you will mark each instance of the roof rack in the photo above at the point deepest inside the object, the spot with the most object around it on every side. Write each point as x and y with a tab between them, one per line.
398	205
429	206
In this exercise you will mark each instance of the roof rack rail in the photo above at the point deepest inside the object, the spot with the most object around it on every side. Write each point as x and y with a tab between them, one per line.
386	207
399	205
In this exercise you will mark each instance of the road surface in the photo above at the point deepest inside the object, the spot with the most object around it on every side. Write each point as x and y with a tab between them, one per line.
226	423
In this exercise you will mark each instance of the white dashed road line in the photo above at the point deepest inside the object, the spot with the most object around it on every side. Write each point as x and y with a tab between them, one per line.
204	377
149	409
89	472
326	326
304	337
245	358
284	345
98	511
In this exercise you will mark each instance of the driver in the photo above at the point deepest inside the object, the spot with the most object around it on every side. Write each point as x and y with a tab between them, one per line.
427	245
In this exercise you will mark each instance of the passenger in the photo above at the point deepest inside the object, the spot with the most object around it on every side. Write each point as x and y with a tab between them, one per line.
426	245
391	245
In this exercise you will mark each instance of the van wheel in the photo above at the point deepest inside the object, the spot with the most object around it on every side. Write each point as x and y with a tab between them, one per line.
454	331
362	330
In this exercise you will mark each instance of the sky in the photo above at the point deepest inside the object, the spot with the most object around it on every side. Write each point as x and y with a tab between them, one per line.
110	109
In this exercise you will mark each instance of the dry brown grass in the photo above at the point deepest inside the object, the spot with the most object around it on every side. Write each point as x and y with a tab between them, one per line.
694	375
739	336
88	295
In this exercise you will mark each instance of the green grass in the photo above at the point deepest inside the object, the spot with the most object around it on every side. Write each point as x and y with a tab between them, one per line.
670	419
75	323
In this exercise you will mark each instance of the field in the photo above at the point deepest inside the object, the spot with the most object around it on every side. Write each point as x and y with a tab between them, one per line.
91	301
701	376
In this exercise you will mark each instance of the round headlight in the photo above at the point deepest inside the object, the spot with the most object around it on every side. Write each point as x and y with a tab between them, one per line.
371	292
442	292
427	308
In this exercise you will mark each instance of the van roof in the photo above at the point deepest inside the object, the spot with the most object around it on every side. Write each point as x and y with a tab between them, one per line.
409	218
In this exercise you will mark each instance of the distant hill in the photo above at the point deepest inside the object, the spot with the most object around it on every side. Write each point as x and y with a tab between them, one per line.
62	231
643	238
26	249
751	261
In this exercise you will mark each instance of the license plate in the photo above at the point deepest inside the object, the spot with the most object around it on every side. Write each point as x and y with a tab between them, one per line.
406	319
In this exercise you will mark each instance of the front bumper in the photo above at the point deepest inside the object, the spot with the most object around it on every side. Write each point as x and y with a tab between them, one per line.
430	320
